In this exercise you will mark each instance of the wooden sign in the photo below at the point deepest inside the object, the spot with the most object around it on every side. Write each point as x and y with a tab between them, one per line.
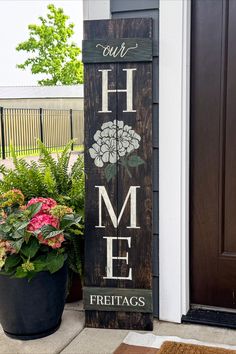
118	160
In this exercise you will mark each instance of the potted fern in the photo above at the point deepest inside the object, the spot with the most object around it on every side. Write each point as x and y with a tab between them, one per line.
54	177
35	242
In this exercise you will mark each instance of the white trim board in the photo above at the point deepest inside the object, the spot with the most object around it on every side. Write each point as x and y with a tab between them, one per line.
174	158
96	9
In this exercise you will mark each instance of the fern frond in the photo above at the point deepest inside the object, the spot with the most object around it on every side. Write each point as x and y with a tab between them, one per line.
3	169
76	253
62	167
50	182
13	155
46	158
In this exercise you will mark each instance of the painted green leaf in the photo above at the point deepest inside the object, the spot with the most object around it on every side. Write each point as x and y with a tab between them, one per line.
135	161
110	171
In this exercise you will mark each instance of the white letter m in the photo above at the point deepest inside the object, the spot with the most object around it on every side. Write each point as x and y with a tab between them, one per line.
115	221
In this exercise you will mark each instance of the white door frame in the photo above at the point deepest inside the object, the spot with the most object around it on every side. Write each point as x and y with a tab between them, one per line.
175	16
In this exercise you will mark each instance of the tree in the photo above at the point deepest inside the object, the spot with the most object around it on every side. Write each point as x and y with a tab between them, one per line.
51	51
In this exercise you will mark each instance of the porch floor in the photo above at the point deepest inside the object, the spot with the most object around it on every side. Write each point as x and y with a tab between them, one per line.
73	338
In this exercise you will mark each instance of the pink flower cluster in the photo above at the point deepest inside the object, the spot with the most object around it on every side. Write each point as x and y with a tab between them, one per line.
43	217
47	204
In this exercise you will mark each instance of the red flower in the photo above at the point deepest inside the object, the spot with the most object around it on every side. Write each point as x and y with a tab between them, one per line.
47	204
54	242
38	221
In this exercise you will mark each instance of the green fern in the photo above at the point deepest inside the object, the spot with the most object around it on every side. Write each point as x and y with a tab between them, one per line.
50	183
3	170
58	168
52	178
46	159
25	176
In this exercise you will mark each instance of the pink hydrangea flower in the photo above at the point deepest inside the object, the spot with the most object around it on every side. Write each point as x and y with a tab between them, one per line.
47	204
43	219
54	242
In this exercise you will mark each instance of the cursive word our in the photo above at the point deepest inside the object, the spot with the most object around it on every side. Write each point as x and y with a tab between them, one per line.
118	51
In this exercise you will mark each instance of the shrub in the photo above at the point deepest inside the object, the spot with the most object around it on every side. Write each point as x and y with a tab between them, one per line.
34	236
52	178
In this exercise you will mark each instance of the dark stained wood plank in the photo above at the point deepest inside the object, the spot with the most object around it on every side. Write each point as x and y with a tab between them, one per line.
140	175
117	50
119	320
116	179
117	28
115	299
140	253
95	246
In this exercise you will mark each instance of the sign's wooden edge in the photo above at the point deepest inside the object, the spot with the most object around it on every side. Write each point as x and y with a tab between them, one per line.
126	295
120	317
122	50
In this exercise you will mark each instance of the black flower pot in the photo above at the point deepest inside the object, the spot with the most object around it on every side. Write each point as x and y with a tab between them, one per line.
32	309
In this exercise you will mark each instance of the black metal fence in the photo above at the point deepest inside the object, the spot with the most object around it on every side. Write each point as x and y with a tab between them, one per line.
21	128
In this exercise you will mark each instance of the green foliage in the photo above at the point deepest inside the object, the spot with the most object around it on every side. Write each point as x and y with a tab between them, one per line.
76	191
54	261
23	250
51	51
26	177
52	178
76	251
110	171
30	249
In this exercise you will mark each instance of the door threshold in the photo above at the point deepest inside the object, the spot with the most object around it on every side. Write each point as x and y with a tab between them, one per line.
207	317
212	308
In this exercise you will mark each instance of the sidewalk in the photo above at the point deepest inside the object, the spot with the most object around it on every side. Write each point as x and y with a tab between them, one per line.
73	338
8	163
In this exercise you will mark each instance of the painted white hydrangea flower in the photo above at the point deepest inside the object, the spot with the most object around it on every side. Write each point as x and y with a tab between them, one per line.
109	151
96	154
114	143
